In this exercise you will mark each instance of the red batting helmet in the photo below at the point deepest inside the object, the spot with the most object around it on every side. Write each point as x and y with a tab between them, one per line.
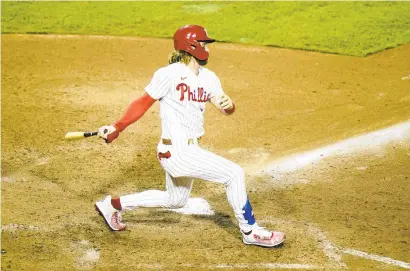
187	39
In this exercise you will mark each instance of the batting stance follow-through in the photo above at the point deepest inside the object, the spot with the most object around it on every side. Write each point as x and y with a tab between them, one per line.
183	88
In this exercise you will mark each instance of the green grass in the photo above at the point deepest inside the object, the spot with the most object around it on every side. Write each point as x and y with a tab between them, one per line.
349	28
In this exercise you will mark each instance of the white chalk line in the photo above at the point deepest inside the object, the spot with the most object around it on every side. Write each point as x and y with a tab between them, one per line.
254	266
355	144
378	258
332	252
235	266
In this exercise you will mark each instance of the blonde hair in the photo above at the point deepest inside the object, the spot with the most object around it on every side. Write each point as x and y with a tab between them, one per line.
179	56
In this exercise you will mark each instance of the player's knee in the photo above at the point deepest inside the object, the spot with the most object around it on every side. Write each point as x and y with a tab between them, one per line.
236	174
178	202
176	205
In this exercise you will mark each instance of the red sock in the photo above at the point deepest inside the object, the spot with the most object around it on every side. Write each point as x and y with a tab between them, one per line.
116	203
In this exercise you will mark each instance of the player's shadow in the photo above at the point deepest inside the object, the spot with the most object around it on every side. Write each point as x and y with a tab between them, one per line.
163	217
154	216
157	216
222	220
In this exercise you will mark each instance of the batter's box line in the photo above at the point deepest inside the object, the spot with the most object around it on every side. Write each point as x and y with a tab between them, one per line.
378	258
255	266
250	266
334	253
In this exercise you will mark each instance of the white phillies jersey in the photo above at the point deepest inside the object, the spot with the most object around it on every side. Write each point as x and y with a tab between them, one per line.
182	95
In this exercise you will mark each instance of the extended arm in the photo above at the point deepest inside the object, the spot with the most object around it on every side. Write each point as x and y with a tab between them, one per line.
135	110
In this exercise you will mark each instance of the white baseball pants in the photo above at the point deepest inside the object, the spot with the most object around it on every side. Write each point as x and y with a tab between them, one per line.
181	168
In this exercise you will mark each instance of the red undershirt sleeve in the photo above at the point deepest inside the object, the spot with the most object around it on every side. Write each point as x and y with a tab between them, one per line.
135	110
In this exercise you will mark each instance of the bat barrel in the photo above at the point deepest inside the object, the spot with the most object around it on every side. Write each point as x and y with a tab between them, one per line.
79	135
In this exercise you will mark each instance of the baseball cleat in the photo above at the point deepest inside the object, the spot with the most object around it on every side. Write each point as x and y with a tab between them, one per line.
259	236
111	215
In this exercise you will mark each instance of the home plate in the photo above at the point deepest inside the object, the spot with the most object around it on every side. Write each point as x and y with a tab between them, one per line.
195	206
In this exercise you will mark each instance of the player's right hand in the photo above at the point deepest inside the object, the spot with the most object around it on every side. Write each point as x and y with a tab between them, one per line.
108	133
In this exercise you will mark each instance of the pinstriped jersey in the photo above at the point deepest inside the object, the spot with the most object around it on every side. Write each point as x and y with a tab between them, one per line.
183	95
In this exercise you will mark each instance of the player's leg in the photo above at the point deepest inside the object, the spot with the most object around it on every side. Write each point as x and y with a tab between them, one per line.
202	164
199	163
176	195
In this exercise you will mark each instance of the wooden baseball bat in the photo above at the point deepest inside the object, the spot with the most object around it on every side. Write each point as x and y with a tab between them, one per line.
79	135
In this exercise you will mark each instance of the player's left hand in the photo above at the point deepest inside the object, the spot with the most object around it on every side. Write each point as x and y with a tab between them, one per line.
108	133
225	102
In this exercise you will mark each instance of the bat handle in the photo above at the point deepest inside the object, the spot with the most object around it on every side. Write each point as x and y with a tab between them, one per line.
88	134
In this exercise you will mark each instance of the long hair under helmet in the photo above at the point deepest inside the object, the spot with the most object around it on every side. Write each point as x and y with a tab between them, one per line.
187	39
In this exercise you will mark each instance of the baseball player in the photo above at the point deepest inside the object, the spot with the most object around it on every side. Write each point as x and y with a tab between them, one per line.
183	88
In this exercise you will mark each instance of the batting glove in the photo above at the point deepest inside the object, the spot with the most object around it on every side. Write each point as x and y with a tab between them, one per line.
225	102
108	133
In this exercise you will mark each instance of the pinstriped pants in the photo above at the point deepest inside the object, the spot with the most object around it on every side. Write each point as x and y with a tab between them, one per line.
185	164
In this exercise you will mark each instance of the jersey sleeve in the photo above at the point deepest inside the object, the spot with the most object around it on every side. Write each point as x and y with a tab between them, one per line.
159	86
216	87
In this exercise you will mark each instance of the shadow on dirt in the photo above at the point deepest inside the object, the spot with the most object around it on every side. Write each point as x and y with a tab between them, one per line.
222	220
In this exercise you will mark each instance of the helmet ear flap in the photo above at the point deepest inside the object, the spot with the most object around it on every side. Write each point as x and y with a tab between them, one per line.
196	50
190	46
187	39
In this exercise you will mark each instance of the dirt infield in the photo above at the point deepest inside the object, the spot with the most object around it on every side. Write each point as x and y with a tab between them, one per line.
287	102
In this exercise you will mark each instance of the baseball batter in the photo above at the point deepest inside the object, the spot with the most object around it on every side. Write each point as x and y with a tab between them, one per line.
183	88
